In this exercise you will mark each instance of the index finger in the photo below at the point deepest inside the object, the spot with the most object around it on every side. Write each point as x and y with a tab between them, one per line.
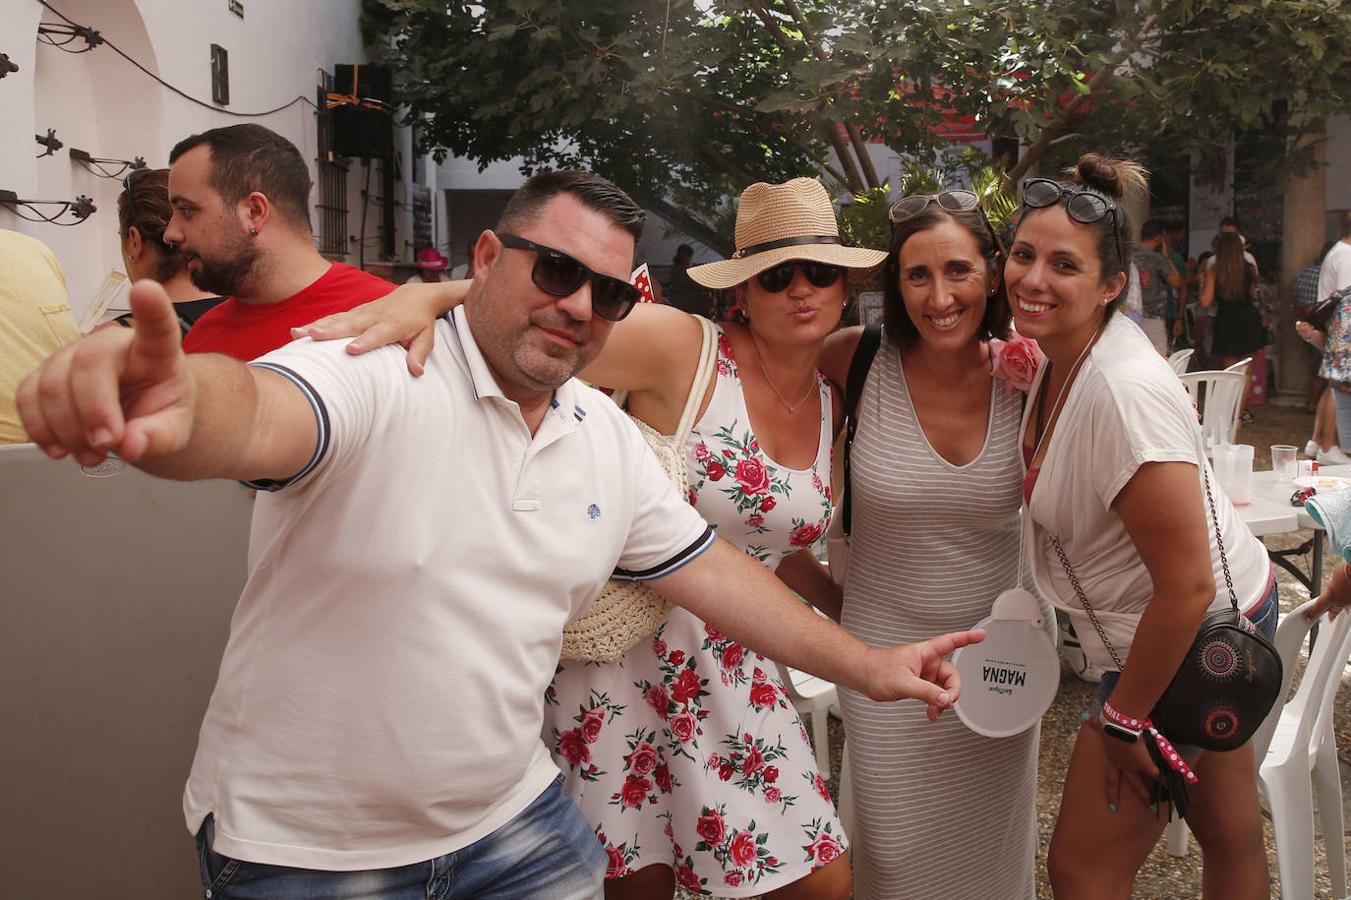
944	644
157	338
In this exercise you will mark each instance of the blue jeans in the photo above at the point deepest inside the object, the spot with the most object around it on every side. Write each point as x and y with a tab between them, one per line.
1264	617
548	851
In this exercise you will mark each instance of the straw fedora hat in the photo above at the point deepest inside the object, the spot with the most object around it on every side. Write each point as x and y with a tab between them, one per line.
779	222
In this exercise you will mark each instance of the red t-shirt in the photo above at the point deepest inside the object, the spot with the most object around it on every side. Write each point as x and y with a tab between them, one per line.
246	330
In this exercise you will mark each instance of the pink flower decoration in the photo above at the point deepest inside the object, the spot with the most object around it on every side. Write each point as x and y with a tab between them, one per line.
1015	361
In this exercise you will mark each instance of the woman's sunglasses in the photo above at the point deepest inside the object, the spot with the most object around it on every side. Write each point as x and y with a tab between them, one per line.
951	201
777	279
559	275
1085	206
957	201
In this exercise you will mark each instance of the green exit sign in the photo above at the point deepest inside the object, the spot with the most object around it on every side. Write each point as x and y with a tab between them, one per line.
236	7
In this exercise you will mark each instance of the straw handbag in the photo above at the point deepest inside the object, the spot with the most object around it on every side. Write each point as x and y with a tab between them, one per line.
627	612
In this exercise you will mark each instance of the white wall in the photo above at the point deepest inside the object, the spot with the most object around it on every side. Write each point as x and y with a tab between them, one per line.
100	103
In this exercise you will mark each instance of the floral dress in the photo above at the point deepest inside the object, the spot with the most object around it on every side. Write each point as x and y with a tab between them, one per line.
686	751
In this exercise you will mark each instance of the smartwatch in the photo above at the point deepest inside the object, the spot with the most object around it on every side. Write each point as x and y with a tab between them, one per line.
1120	732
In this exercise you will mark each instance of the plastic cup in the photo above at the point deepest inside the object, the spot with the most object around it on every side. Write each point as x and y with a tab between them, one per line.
1284	459
1233	468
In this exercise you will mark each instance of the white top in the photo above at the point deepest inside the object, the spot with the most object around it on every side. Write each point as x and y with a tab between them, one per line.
1336	271
1125	408
380	698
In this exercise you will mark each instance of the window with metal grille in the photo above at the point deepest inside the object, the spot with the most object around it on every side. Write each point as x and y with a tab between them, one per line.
331	204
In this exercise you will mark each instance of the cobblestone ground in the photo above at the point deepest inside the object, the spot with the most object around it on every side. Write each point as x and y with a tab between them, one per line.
1164	876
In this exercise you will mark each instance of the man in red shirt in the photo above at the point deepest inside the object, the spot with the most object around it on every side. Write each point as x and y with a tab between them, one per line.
241	221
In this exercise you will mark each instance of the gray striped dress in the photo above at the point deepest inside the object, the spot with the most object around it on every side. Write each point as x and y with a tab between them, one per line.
941	811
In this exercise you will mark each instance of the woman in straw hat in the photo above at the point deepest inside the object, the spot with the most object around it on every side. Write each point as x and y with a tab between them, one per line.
696	769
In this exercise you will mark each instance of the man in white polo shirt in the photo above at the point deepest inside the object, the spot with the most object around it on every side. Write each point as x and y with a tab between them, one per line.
375	726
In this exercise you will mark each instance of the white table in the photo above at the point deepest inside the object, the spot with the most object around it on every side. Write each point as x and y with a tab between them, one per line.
1271	513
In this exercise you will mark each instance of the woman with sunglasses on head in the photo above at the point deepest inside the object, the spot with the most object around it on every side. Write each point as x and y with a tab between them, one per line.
143	212
934	497
685	754
1126	518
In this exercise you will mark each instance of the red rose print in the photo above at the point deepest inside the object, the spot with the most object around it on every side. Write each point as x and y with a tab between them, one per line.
824	849
816	481
806	535
728	453
659	647
616	867
820	784
658	699
592	720
643	759
732	879
573	747
743	848
725	771
755	521
634	791
764	695
663	778
732	655
773	795
753	476
713	634
755	445
758	673
701	451
688	880
771	774
827	492
771	861
711	828
714	760
686	687
694	497
755	760
682	727
715	471
767	504
677	657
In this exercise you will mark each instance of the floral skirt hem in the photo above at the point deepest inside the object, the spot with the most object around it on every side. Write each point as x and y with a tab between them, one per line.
687	752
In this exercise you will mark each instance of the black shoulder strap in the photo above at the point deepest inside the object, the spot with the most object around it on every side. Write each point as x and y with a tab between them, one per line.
868	343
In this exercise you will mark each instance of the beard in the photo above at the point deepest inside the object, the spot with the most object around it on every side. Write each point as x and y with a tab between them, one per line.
228	273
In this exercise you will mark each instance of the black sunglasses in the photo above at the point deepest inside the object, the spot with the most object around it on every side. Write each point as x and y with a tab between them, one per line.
1084	205
777	279
559	275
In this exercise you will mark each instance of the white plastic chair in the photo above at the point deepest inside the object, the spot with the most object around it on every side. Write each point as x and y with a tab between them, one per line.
1297	749
1301	758
1179	360
812	696
1217	395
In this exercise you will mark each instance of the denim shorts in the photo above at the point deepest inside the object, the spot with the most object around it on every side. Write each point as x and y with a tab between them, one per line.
548	851
1264	617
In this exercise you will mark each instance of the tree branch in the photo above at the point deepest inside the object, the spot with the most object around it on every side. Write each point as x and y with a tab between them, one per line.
688	224
1050	131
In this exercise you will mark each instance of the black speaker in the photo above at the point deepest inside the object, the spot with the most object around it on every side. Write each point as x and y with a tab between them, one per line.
358	129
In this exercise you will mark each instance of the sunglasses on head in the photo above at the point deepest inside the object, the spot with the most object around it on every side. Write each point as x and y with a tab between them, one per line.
1084	205
559	275
951	201
777	279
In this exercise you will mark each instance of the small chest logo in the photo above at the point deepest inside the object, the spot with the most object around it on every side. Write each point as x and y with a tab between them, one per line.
593	512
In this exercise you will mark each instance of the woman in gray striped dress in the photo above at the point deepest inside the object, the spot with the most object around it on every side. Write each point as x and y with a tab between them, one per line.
941	811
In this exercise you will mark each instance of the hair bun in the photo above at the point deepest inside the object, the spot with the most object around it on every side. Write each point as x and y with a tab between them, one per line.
1113	177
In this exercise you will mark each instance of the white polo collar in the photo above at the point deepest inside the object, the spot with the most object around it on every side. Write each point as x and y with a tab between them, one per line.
566	400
